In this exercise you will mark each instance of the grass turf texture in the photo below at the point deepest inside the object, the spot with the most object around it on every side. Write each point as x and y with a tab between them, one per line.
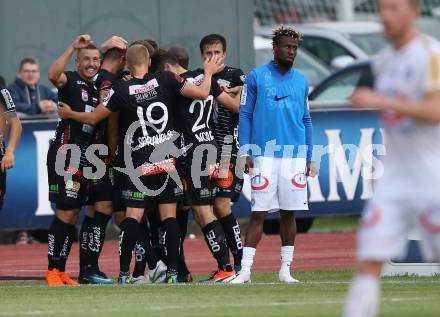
321	293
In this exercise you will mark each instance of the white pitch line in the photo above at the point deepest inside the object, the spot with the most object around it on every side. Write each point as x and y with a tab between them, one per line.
204	306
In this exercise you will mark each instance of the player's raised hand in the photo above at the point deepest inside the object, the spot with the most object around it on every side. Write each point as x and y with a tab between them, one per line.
113	42
82	41
213	65
312	169
64	110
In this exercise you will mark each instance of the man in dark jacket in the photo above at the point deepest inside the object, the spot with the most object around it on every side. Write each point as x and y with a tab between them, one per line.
29	96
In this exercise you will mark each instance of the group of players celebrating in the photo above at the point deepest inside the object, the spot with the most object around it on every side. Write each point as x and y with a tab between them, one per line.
146	139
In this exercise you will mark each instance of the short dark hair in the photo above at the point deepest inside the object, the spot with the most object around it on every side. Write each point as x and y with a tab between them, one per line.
28	60
281	31
212	39
181	54
88	47
160	58
114	53
150	44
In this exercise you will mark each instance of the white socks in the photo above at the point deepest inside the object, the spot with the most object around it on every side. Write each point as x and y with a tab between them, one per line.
286	258
363	297
247	259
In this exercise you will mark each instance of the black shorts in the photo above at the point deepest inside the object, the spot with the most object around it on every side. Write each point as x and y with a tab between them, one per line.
2	187
228	184
118	186
160	185
70	194
101	189
198	190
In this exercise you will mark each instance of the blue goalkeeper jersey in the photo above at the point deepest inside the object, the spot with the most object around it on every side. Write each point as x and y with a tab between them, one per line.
274	114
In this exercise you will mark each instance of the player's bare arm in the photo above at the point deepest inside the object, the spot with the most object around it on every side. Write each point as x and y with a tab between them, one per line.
427	110
230	101
56	72
210	66
15	130
92	118
113	128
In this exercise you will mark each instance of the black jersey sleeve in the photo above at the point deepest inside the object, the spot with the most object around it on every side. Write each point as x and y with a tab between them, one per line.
7	102
114	100
238	78
174	81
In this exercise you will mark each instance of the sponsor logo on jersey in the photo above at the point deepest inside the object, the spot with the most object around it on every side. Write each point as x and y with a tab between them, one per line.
224	82
243	95
80	82
259	182
139	89
84	95
107	98
165	166
204	192
72	185
196	80
299	180
8	99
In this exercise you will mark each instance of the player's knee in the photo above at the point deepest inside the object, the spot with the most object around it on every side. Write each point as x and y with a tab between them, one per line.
222	207
68	216
104	207
258	218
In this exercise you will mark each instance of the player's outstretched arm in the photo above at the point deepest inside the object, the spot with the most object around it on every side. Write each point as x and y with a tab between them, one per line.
92	118
56	72
427	110
210	66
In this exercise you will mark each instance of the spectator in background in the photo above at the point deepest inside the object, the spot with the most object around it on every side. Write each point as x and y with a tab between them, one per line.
29	96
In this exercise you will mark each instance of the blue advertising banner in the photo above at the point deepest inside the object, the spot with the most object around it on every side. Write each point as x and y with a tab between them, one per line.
347	144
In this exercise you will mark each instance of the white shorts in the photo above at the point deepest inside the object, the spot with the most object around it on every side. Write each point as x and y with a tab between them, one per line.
279	183
388	221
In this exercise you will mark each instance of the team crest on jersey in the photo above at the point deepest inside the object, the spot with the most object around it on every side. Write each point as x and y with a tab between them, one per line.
243	78
84	95
196	80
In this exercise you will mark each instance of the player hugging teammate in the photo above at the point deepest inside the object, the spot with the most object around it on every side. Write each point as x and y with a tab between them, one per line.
155	174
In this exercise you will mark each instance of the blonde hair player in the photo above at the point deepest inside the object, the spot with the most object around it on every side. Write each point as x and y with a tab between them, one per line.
407	91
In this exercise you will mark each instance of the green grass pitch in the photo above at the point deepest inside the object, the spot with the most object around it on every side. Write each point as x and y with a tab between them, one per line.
321	293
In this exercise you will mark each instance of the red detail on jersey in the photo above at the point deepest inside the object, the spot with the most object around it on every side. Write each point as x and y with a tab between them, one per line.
159	167
74	171
299	180
106	84
259	186
427	222
372	219
391	118
179	79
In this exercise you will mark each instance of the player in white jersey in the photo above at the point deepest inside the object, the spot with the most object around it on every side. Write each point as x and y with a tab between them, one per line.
407	90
